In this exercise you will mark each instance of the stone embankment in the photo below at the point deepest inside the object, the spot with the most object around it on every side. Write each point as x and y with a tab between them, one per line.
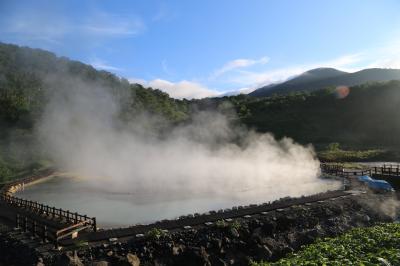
17	185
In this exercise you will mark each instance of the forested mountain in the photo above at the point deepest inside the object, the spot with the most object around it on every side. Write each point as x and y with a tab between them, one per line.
324	77
368	117
24	86
29	77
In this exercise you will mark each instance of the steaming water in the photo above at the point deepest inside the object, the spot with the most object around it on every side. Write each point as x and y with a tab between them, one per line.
121	209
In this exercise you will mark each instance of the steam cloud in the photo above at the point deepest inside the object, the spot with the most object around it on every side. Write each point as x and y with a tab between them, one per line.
82	132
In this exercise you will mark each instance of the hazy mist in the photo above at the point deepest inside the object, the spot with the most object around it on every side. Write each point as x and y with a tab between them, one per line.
82	132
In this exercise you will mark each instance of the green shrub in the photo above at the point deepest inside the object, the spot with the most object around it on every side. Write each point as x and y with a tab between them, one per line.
333	146
221	224
360	246
155	234
235	225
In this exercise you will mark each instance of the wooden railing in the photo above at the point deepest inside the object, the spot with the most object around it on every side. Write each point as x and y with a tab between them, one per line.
28	224
338	170
48	211
39	219
387	170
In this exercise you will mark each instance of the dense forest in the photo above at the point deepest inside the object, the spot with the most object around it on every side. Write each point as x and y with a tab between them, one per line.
367	118
28	77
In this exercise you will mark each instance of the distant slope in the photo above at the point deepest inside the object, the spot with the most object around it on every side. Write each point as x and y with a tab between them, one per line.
368	117
324	77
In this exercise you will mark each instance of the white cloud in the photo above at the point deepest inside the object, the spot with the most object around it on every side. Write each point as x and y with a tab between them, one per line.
255	79
138	81
165	68
179	90
245	90
387	56
393	62
100	64
239	63
52	26
163	14
105	24
32	26
247	80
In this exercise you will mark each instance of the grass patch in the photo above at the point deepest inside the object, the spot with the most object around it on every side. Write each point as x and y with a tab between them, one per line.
351	156
361	246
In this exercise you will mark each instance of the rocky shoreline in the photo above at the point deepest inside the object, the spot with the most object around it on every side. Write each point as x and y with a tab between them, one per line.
267	236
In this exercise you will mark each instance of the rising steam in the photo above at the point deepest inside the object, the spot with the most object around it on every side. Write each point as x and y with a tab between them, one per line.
82	132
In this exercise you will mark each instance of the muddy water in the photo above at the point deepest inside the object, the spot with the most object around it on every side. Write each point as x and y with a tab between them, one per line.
114	209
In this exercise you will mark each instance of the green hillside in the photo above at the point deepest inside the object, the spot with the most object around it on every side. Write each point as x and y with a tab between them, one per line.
368	117
25	90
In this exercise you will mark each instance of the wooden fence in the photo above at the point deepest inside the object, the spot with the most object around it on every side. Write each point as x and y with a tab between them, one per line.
338	170
48	212
47	222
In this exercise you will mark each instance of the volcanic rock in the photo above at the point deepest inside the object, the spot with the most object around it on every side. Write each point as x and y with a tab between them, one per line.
68	259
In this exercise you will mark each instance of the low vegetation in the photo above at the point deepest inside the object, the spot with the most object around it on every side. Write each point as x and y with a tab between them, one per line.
155	234
377	245
351	156
333	153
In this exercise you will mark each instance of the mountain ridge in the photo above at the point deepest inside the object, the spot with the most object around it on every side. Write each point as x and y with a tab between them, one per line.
320	78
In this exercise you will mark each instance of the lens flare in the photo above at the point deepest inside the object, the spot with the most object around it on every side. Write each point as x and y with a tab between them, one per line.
342	92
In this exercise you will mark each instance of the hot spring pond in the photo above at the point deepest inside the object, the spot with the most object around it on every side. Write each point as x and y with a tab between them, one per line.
123	209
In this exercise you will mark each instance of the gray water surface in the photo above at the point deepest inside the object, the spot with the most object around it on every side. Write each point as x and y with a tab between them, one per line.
123	209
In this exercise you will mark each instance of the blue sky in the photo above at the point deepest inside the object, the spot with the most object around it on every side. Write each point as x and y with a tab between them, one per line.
204	48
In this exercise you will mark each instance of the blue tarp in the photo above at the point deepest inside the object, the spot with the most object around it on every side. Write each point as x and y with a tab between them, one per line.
365	178
379	185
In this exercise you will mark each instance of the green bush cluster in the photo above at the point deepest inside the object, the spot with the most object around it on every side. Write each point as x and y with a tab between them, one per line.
351	155
155	234
221	224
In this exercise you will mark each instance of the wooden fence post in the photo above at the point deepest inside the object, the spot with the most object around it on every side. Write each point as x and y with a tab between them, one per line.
17	220
44	234
34	228
25	224
94	224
